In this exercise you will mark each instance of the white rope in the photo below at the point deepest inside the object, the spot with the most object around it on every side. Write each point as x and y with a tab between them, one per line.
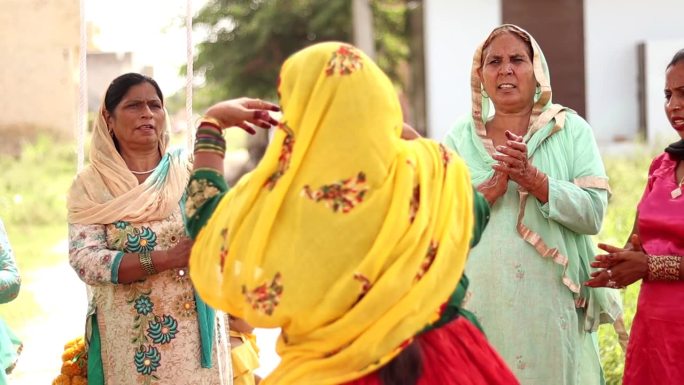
82	90
189	74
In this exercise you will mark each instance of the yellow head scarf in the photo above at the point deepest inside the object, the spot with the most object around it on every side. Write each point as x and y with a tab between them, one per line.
345	236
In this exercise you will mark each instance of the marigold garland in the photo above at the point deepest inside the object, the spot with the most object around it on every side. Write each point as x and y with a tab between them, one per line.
74	364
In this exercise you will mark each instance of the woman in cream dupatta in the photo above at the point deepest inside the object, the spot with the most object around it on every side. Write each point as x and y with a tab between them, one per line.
127	242
528	269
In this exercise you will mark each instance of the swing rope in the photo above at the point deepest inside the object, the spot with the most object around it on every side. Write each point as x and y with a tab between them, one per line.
190	130
82	113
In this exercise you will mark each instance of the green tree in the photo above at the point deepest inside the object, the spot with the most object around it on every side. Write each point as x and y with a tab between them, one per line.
249	39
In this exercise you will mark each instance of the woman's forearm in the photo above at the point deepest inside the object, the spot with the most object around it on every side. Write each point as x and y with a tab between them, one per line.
131	268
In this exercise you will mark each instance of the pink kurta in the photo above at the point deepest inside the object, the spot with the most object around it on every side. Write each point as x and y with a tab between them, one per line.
655	354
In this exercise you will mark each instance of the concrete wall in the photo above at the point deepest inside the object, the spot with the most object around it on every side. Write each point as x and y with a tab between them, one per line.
103	67
453	29
613	30
39	71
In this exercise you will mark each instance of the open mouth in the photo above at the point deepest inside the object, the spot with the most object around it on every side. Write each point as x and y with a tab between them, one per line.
506	86
146	127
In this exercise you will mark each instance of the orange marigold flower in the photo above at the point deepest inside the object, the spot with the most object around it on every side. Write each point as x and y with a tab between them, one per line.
62	379
69	354
78	380
72	342
71	369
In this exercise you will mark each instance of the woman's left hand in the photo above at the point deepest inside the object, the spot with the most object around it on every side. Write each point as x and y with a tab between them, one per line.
242	112
622	267
514	162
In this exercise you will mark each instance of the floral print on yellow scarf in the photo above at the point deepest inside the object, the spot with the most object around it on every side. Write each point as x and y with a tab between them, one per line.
345	236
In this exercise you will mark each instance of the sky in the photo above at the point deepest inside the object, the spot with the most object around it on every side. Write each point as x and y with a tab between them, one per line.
152	29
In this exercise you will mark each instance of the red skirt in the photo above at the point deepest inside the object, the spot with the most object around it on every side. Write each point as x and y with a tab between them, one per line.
456	354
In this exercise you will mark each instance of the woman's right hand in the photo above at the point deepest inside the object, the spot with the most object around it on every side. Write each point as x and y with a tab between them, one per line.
240	112
494	187
179	255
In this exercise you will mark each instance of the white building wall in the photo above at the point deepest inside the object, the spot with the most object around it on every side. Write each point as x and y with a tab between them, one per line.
453	30
658	55
613	29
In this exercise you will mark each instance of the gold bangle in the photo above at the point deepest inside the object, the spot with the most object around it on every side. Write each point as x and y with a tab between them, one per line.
145	259
663	267
208	120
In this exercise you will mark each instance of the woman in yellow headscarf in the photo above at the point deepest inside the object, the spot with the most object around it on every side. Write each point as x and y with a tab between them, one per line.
348	238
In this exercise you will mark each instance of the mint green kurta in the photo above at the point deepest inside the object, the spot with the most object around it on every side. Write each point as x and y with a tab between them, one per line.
9	288
533	309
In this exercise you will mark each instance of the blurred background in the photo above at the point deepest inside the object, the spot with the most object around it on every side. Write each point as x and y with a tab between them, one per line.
607	60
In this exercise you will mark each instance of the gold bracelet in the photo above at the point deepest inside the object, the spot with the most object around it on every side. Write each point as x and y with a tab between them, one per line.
145	259
663	267
213	122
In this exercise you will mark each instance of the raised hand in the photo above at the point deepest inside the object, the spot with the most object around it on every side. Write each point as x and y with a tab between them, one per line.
240	112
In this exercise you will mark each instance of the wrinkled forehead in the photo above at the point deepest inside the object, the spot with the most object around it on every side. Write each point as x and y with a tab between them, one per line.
507	43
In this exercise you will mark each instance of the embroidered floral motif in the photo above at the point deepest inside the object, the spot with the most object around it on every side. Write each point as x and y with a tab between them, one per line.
519	272
365	285
343	195
142	241
520	363
185	305
198	192
147	359
224	249
143	305
344	61
427	262
162	329
284	158
121	225
447	155
265	297
415	203
181	275
171	234
118	233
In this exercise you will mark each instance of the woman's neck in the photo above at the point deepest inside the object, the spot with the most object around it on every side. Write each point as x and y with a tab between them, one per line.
516	122
141	160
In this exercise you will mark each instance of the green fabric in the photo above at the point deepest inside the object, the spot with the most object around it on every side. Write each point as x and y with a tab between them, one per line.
193	224
95	368
519	296
9	350
116	262
9	274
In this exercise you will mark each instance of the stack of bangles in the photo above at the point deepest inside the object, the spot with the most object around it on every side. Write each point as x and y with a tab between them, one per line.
209	137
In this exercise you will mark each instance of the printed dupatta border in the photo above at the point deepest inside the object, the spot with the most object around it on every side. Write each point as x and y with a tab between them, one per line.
540	117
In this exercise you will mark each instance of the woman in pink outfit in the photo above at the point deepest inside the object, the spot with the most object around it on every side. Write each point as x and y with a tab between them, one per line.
655	253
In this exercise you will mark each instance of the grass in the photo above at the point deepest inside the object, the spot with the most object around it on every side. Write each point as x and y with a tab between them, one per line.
628	175
33	205
33	190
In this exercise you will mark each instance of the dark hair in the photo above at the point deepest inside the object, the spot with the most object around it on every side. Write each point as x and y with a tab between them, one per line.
404	369
679	56
118	87
513	31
